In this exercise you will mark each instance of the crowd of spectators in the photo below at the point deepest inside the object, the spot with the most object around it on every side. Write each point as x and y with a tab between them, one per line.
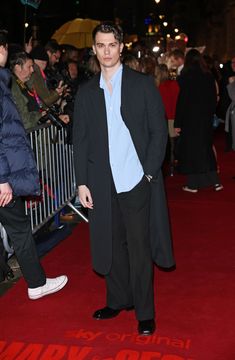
47	78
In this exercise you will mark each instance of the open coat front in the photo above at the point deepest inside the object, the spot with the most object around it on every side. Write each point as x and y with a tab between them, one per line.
142	111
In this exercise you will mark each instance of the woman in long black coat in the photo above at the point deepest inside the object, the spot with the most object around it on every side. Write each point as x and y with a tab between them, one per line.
193	123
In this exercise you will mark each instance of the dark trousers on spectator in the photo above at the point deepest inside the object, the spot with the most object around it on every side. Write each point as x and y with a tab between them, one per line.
18	227
130	281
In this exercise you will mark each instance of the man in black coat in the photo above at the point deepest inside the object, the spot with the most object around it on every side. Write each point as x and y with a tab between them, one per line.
120	136
19	177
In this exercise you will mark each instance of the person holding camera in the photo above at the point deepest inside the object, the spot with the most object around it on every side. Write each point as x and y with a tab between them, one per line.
29	104
18	178
38	80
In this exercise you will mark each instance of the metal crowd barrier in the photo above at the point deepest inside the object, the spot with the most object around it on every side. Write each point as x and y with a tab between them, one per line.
54	158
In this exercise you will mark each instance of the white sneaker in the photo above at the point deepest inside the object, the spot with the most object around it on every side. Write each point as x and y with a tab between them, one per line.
51	286
218	187
186	188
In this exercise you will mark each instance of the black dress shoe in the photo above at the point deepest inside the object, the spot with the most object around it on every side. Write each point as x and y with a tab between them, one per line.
108	313
105	313
146	327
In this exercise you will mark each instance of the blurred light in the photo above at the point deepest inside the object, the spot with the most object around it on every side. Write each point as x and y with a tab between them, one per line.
165	23
156	48
159	42
128	45
221	66
176	30
168	35
177	37
139	54
147	20
157	1
161	17
150	28
26	25
156	28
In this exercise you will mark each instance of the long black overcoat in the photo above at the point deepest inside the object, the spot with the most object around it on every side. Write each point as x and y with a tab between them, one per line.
142	112
194	115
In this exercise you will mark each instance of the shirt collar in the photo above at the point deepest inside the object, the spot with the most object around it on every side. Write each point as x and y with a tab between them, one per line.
114	79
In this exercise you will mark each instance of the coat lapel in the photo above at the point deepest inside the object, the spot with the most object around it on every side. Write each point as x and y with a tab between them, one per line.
98	100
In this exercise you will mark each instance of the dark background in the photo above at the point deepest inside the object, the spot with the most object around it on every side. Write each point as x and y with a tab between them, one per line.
184	14
205	22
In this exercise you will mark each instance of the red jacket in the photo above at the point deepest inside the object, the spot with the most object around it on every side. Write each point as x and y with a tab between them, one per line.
169	91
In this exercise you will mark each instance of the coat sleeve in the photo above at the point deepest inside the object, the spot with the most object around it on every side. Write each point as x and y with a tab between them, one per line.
80	139
157	128
29	118
231	91
37	82
4	166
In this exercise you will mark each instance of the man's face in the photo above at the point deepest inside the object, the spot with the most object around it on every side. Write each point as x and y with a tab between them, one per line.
107	50
73	70
25	71
3	54
54	57
175	62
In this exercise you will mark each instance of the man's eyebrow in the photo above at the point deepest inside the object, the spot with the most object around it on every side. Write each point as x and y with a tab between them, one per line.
113	42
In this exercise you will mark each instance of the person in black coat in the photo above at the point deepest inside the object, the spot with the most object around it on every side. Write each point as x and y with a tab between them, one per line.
194	124
19	177
119	139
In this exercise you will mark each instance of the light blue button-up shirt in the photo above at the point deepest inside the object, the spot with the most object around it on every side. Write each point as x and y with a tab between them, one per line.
125	165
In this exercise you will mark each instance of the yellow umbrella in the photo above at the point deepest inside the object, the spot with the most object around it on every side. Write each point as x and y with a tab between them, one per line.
77	32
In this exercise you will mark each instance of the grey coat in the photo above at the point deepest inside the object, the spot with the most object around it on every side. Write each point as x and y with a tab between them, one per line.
230	114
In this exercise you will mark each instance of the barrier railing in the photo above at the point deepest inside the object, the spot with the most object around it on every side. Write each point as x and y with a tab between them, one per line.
54	158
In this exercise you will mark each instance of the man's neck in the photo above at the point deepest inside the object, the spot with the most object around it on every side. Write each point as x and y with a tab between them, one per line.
109	72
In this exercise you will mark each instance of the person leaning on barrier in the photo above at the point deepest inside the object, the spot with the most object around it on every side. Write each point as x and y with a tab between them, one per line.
18	178
37	80
29	104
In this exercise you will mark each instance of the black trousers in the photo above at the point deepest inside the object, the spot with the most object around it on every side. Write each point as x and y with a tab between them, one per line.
4	267
18	227
130	281
198	181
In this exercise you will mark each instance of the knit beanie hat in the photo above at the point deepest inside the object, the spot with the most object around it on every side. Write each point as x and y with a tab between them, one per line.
39	53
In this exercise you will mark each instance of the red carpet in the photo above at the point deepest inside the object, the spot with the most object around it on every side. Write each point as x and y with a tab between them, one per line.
195	304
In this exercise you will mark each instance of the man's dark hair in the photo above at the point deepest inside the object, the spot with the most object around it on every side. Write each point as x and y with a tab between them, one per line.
194	59
109	27
3	38
52	46
177	53
19	58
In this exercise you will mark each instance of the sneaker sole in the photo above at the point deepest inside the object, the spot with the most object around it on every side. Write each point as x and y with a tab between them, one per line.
58	288
193	191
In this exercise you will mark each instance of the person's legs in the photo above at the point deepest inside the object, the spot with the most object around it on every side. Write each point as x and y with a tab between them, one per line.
18	228
135	209
4	267
119	293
